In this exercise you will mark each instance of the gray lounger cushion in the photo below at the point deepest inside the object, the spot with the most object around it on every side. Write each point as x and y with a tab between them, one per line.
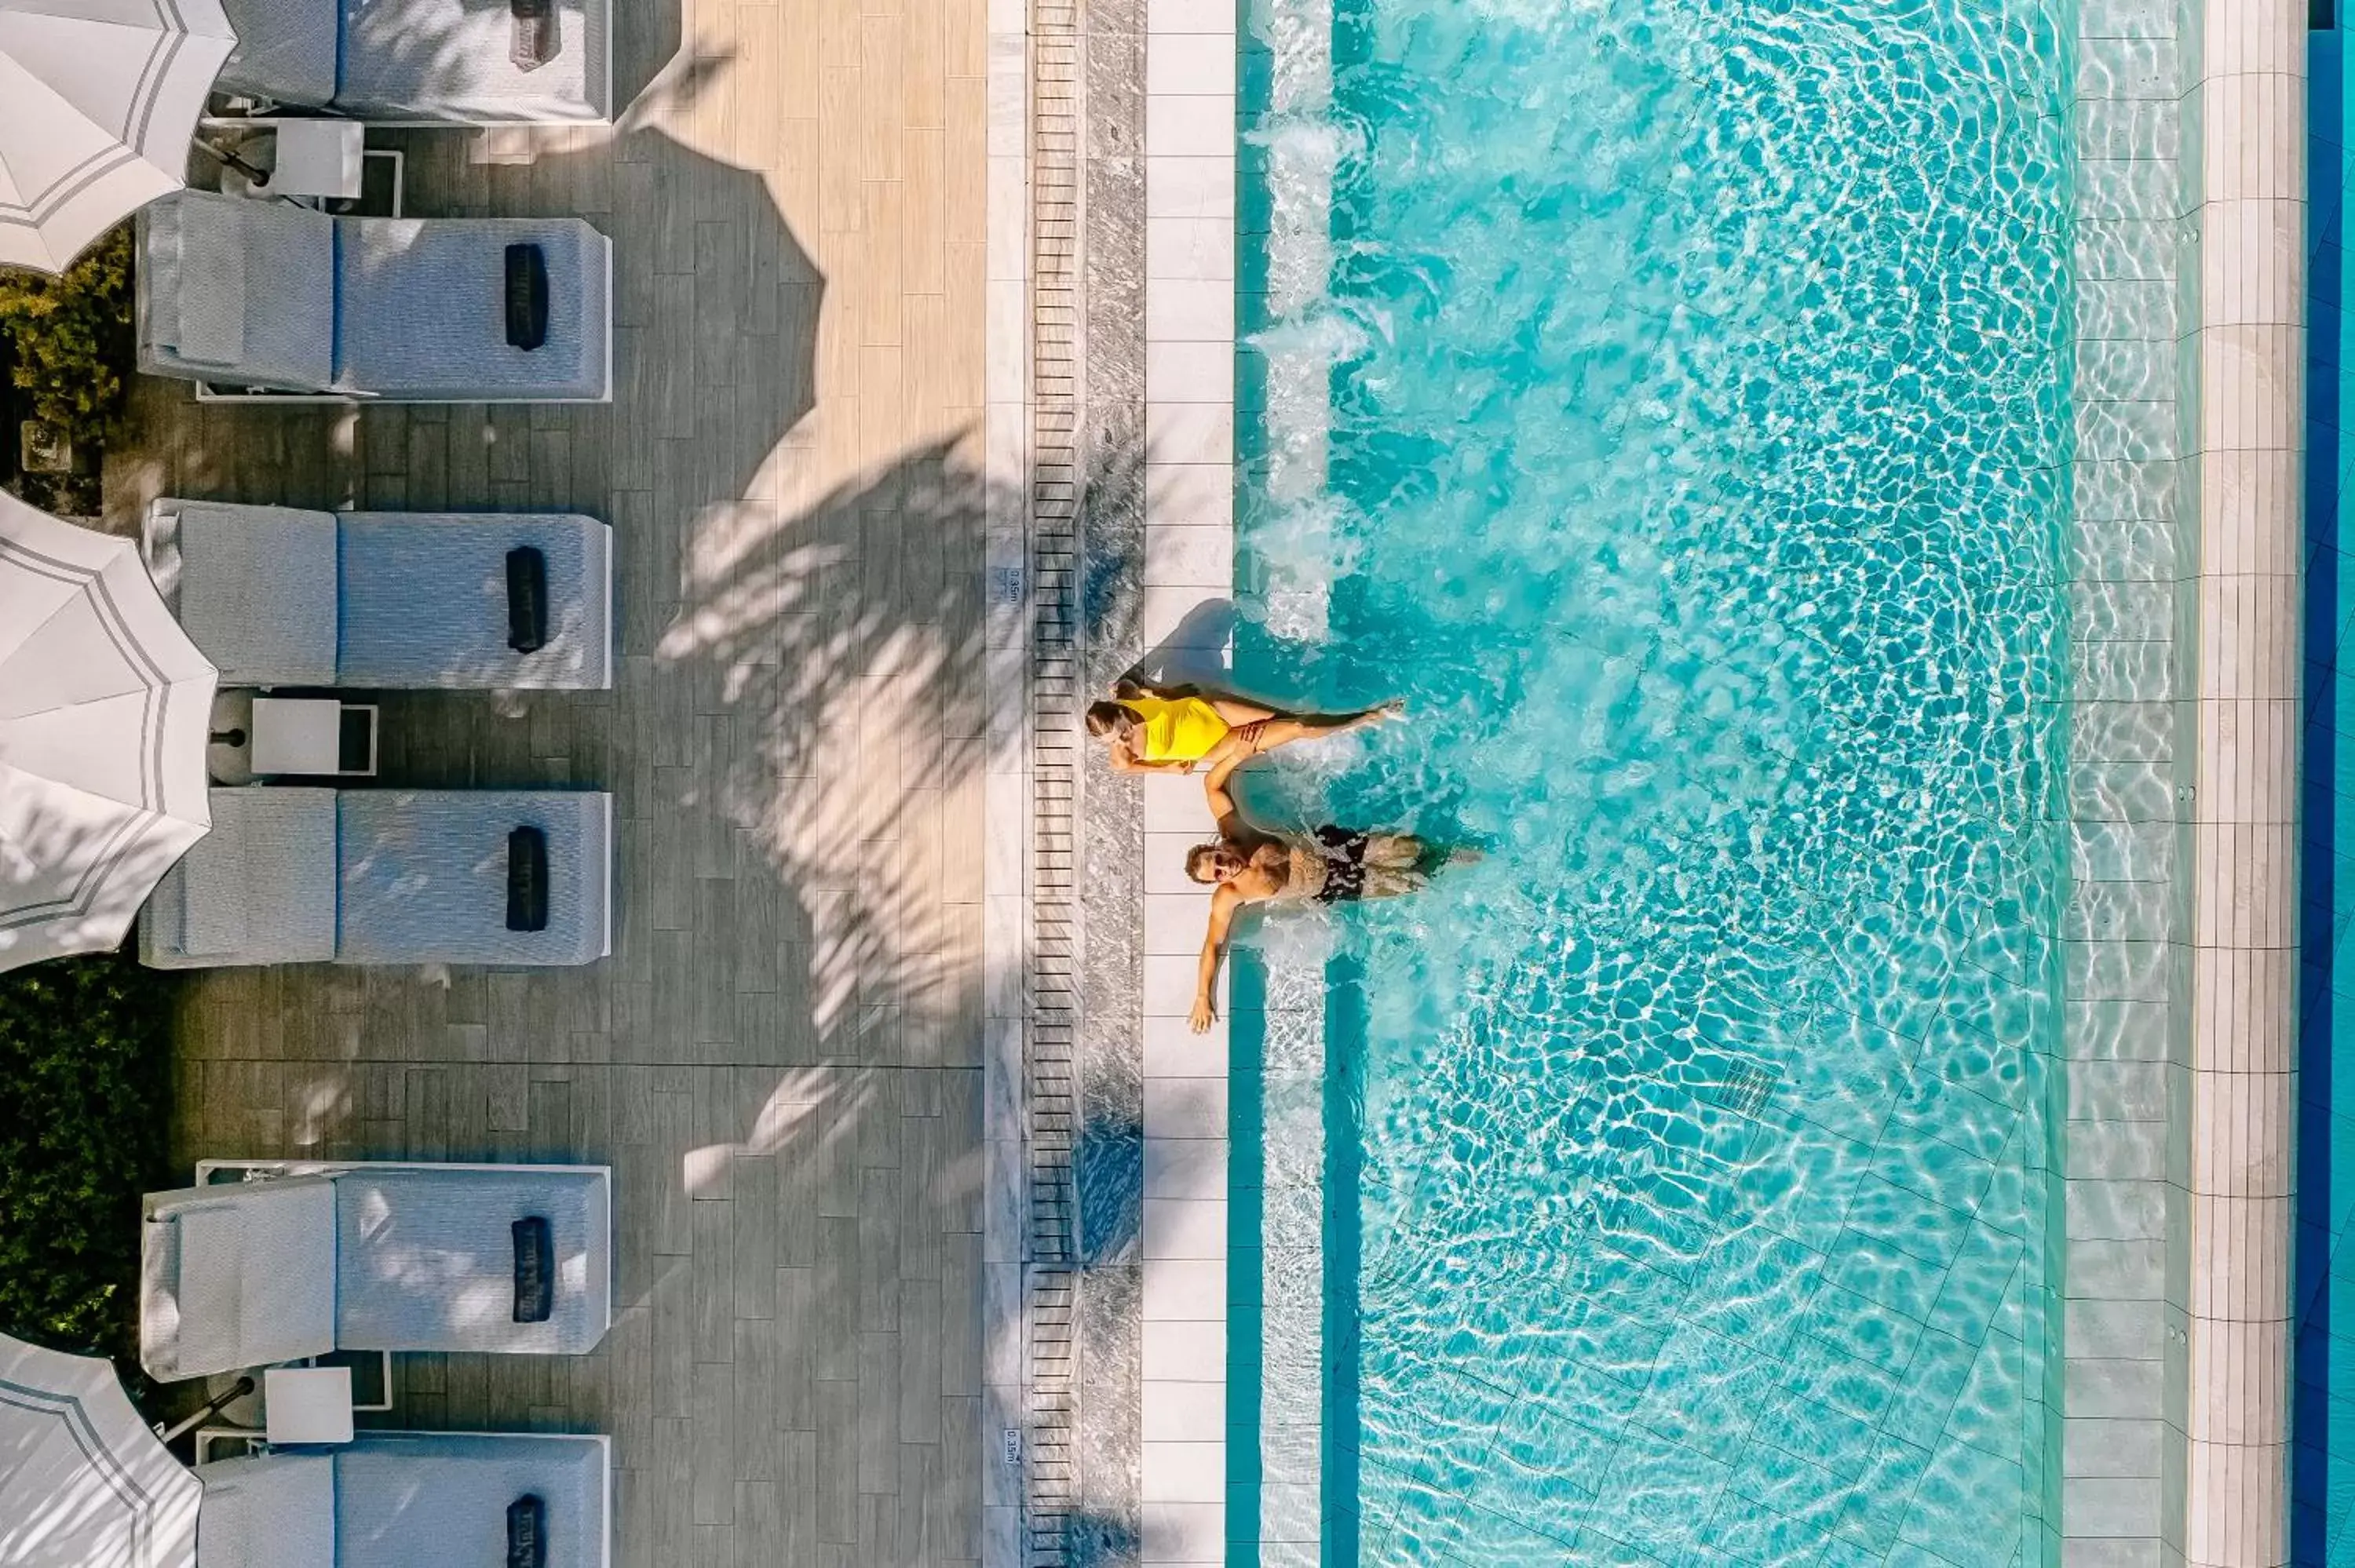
235	290
423	875
277	1510
416	59
405	1499
279	597
260	888
257	588
237	1276
246	293
466	69
286	51
425	1259
381	876
425	600
423	311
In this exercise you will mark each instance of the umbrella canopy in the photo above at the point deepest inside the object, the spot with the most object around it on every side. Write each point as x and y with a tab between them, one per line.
97	101
83	1482
103	708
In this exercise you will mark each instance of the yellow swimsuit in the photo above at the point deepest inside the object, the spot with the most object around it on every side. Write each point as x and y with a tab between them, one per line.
1176	729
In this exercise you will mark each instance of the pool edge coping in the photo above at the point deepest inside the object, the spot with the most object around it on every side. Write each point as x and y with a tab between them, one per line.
1184	614
2242	960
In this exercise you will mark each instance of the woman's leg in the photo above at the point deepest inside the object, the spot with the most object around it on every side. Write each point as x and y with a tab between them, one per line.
1267	735
1240	711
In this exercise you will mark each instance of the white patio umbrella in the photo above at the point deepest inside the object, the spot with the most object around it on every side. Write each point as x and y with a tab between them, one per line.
97	101
103	708
83	1481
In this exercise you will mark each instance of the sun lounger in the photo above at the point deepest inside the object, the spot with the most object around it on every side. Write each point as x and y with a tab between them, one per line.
384	876
509	1259
400	1499
277	596
273	299
427	61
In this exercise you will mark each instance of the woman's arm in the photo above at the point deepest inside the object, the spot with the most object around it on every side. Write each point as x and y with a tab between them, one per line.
1224	904
1123	760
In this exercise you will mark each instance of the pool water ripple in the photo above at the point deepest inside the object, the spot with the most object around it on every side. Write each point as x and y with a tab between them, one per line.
1698	432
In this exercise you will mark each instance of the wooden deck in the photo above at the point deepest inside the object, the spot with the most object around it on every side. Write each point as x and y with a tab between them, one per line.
780	1059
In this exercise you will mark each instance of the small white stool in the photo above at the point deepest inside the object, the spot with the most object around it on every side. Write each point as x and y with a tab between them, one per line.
315	157
312	737
307	1404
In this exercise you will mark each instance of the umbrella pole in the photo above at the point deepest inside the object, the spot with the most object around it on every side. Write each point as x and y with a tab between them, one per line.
259	177
236	1390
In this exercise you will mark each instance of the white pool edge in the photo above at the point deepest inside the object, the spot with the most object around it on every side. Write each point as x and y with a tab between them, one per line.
2249	345
1190	417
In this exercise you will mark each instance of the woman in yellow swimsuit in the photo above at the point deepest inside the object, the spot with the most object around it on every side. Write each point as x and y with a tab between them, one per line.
1169	729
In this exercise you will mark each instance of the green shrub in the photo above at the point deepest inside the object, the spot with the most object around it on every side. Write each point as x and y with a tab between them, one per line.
72	337
85	1067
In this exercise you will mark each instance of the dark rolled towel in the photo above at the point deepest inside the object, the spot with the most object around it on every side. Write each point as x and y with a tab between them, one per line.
537	38
526	880
534	1270
526	296
527	1531
526	599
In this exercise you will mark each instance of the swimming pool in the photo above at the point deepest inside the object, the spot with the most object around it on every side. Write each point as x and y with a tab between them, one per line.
1697	467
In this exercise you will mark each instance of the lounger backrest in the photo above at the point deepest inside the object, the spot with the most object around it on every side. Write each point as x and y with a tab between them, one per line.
237	1276
256	588
238	291
286	51
260	888
274	1512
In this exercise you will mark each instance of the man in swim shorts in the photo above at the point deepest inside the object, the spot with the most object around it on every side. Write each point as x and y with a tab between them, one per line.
1251	864
1172	729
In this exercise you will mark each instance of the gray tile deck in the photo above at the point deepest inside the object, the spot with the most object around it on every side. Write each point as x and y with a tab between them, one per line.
781	1059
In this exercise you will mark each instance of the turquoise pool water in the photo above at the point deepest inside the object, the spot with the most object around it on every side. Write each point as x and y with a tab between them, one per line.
1699	402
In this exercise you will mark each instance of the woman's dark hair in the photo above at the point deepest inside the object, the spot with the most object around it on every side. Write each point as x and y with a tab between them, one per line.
1109	719
1198	862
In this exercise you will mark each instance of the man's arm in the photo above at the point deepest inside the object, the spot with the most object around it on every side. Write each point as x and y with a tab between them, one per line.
1224	758
1223	904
